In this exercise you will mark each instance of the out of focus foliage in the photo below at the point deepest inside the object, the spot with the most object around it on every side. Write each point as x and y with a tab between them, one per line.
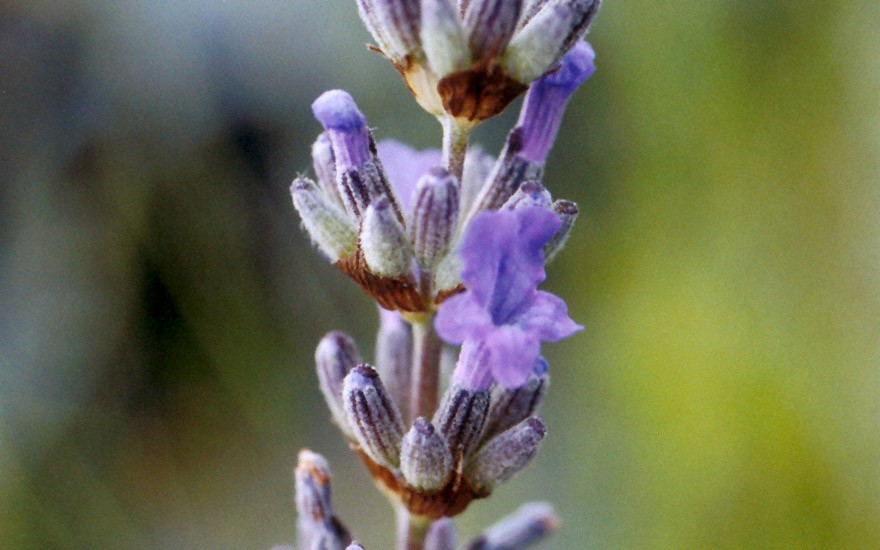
159	305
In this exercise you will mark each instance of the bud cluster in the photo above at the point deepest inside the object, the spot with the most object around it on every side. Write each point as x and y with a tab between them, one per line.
469	59
476	440
397	239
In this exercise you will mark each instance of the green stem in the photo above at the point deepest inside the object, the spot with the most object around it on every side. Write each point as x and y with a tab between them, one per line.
411	530
425	389
455	143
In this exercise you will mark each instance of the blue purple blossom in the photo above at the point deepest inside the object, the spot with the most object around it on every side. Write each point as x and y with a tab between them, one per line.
502	318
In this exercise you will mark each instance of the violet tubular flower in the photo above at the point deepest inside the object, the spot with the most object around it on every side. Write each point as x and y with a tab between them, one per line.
501	318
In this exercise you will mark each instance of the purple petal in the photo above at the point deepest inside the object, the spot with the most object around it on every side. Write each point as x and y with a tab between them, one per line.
504	258
405	165
461	317
345	126
546	100
512	354
547	318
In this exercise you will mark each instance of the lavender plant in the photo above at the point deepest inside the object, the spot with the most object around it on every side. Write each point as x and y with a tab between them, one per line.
452	246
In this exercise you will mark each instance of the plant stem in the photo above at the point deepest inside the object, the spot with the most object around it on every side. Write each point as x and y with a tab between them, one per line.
411	530
425	382
455	143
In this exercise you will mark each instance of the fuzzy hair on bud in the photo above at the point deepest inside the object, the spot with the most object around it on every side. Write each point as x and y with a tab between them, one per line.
373	416
425	460
328	226
506	455
335	356
385	246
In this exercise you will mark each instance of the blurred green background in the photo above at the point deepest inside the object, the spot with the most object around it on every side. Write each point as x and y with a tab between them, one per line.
159	305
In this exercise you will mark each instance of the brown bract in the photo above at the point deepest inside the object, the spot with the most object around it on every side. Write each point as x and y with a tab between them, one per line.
448	501
478	93
394	293
474	94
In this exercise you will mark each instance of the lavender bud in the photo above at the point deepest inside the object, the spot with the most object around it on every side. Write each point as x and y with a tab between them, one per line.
360	178
506	455
568	213
325	167
528	525
394	24
546	100
530	193
512	406
547	36
490	23
335	356
443	38
509	173
530	8
317	527
373	416
345	126
425	460
461	417
477	167
383	241
441	535
394	357
328	226
434	217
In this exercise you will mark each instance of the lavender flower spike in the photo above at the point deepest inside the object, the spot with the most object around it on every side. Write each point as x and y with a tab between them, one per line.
502	318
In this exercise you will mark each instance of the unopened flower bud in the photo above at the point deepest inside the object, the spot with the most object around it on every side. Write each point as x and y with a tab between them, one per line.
394	357
373	416
359	175
425	460
528	525
461	418
441	535
477	166
490	24
512	406
505	455
568	213
530	193
509	173
443	38
434	217
329	227
325	167
335	356
394	24
355	546
383	241
549	33
317	527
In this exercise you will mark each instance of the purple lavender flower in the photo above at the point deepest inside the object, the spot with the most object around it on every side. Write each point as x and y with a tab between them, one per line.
502	318
545	103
